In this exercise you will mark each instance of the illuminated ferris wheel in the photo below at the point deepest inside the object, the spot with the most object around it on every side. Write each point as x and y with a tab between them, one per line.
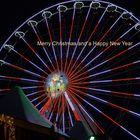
77	61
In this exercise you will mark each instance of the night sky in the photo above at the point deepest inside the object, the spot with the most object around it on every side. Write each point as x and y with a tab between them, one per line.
14	12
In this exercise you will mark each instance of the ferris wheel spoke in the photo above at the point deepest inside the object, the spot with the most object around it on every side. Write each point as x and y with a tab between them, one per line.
77	78
50	117
60	34
43	100
33	93
58	110
63	113
97	124
91	118
71	30
51	39
81	83
123	128
115	68
116	92
104	35
72	106
107	81
31	81
110	92
115	56
81	32
30	62
95	28
53	109
79	74
31	87
32	49
40	40
109	118
111	58
110	46
69	112
35	99
109	103
102	52
24	70
59	116
131	37
5	90
45	107
113	80
114	105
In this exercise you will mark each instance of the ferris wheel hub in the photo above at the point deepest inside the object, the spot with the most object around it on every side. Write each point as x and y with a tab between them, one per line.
56	84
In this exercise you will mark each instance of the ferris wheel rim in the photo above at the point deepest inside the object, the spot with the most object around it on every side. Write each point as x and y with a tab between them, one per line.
41	11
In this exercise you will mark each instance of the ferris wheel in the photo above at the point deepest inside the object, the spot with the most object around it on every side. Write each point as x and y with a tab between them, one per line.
78	61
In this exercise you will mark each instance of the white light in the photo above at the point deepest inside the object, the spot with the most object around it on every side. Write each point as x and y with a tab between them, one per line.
92	138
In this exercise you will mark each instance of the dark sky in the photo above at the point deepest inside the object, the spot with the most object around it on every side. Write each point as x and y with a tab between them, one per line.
15	12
